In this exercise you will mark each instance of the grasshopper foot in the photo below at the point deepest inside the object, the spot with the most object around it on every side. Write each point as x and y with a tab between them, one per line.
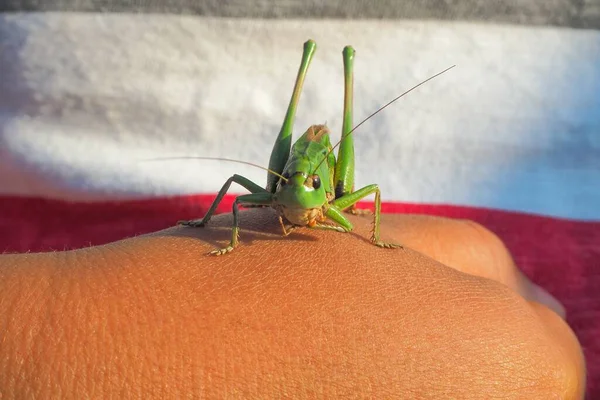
194	223
336	228
220	252
234	242
385	245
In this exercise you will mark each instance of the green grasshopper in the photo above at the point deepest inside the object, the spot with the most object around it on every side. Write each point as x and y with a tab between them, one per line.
305	183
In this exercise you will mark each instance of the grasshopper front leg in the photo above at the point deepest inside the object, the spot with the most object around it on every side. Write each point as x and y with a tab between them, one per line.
259	196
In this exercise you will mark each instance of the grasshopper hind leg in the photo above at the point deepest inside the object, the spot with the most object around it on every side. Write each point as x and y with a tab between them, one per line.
344	167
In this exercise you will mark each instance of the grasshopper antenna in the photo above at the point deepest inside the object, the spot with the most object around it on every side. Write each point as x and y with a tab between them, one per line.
381	109
218	159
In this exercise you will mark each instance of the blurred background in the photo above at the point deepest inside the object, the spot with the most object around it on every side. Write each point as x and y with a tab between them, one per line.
510	137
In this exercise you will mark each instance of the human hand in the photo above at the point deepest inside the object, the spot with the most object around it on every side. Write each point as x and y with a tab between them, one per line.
315	314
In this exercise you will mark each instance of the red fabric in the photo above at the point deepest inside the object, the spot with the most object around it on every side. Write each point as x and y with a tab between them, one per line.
561	255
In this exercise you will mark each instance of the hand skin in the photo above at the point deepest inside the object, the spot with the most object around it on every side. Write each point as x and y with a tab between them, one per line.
316	314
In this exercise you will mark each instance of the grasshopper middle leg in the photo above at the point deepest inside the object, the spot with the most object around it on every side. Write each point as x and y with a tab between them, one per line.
352	198
258	196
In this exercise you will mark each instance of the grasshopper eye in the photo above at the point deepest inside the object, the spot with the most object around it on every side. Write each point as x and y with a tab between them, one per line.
316	181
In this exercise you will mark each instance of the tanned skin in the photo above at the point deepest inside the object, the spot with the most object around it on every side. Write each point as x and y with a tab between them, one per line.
316	314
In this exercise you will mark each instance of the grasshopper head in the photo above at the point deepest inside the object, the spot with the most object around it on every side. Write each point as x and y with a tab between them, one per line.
301	190
302	197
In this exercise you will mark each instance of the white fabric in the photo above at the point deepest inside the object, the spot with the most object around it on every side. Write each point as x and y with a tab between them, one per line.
85	97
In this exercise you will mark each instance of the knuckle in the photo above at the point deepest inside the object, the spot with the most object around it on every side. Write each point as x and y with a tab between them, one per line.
493	257
483	236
